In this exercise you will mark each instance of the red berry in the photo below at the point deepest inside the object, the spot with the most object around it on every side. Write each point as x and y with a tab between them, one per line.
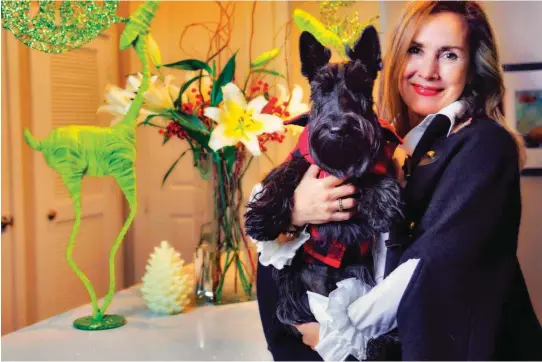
161	131
193	90
260	82
287	114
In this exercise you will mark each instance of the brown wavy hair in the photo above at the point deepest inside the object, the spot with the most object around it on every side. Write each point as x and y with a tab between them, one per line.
484	91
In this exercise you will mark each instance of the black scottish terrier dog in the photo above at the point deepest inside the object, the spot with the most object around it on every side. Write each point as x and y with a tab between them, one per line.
344	138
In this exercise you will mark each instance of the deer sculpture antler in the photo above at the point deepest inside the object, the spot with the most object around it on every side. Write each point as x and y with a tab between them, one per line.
78	151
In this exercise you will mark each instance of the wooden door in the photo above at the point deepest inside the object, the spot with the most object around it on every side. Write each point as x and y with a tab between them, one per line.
8	269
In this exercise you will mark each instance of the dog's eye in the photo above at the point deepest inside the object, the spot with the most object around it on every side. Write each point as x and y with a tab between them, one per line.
357	78
325	81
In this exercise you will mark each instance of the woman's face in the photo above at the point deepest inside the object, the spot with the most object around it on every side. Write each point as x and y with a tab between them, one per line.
437	65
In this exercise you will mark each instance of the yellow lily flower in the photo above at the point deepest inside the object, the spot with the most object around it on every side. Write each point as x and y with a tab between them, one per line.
240	122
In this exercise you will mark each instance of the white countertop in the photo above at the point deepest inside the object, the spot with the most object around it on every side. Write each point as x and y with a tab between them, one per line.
226	332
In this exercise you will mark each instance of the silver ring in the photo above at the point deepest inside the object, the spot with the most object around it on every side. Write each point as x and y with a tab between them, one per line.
341	205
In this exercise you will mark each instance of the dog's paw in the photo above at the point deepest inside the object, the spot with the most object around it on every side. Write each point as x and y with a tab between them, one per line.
384	348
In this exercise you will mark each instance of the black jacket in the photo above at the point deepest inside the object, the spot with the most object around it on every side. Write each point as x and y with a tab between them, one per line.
467	299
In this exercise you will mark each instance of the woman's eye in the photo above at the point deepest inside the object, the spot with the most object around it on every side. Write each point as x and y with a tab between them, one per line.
414	50
449	56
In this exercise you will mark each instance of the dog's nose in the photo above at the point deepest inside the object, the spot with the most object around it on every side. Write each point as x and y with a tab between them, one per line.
338	130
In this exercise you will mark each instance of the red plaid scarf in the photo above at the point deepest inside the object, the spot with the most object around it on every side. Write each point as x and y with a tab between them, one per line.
332	253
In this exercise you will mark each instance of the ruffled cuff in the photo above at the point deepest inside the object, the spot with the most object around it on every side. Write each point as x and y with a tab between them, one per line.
280	254
273	252
353	314
338	337
379	257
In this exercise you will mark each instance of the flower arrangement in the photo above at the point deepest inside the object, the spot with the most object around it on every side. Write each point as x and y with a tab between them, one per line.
225	123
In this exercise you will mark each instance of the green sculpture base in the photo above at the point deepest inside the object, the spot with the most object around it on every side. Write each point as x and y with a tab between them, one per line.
107	322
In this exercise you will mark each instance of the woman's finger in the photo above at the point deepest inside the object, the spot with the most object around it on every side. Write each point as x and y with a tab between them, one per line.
332	181
312	172
341	216
341	191
346	204
335	205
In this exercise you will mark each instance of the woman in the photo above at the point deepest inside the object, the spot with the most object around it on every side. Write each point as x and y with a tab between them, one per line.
466	297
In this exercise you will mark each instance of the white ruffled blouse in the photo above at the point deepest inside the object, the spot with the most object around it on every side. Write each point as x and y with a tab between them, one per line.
354	312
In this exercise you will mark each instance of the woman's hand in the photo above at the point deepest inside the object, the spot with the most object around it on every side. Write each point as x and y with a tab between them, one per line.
316	201
310	332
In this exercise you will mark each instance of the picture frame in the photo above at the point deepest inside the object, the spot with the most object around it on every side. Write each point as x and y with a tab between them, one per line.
523	108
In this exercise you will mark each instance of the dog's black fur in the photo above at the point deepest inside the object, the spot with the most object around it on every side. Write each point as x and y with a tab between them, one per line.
345	139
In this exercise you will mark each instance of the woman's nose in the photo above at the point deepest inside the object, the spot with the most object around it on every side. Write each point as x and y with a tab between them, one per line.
428	68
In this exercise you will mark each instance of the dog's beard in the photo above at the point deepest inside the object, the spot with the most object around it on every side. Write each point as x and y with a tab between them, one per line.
347	153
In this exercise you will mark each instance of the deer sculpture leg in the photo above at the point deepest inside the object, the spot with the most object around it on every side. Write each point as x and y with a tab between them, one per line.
73	183
125	177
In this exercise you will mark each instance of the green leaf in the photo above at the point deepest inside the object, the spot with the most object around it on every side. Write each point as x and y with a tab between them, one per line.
267	71
201	135
214	66
206	237
173	166
189	121
203	164
165	140
178	101
224	78
265	58
190	64
229	156
147	121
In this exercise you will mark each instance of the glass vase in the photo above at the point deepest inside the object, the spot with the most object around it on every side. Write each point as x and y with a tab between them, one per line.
225	262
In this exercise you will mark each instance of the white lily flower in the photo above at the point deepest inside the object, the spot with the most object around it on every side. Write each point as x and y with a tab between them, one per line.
295	105
134	82
240	122
160	97
118	100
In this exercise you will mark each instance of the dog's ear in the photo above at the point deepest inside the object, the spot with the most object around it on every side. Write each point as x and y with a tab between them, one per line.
367	50
313	55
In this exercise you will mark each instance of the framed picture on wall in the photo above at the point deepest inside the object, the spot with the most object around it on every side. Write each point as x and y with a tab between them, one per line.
523	107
